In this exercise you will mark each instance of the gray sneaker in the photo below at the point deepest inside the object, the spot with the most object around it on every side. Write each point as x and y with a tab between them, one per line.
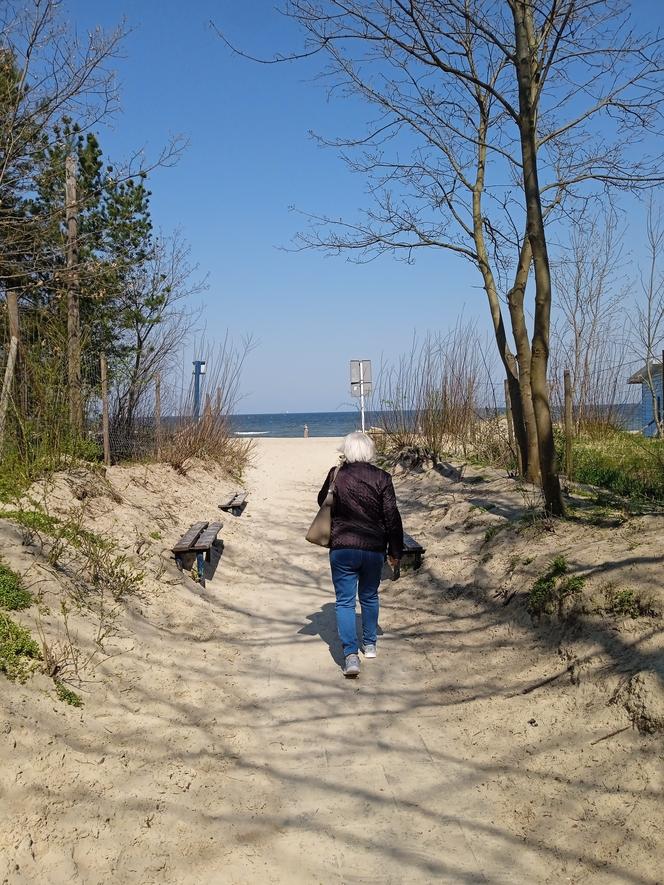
351	667
369	649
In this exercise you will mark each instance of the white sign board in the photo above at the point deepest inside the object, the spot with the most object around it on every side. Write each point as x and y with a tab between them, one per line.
360	365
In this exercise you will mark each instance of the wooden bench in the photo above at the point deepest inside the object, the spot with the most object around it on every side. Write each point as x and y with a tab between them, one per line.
198	539
412	552
235	504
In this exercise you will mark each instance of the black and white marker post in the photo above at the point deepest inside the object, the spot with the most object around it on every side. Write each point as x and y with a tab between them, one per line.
360	383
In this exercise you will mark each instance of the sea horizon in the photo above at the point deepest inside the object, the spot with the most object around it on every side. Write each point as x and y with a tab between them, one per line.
338	423
292	424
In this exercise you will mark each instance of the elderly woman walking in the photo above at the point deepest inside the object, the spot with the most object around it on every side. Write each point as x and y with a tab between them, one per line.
365	524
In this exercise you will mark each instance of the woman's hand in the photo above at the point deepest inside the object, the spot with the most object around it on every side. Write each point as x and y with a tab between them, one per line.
393	561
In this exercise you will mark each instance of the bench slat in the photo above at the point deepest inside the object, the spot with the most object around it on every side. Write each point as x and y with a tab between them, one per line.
410	545
208	537
237	501
189	538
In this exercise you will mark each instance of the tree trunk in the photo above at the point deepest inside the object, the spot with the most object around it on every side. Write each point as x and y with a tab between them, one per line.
73	311
527	80
515	300
507	357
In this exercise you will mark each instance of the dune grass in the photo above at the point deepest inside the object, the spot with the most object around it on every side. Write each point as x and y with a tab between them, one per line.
626	464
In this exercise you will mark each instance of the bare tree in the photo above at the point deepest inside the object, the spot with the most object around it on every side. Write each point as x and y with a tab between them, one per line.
494	119
154	303
648	324
588	334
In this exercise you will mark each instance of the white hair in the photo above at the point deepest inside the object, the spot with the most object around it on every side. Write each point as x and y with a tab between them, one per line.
357	446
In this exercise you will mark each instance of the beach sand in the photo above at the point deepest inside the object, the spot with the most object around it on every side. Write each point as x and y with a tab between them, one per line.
220	744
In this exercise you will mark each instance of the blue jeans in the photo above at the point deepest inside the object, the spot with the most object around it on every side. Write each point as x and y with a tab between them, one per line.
353	572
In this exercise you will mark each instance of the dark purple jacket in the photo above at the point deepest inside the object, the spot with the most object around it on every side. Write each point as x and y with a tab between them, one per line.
365	513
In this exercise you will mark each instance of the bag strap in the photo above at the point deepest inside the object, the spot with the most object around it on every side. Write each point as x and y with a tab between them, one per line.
330	488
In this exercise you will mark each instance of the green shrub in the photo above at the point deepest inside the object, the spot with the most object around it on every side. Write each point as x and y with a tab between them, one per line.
13	596
13	480
551	589
67	695
18	650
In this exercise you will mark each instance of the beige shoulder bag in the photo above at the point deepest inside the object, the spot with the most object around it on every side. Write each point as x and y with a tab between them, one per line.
320	530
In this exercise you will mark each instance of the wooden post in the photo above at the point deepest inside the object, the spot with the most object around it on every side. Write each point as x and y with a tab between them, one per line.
6	388
73	308
104	411
11	300
218	405
12	314
661	401
157	413
569	424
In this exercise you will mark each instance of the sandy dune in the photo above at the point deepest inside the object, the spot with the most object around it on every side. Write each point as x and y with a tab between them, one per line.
221	744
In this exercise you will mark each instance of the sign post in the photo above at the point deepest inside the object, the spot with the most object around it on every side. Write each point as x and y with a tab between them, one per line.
199	369
360	383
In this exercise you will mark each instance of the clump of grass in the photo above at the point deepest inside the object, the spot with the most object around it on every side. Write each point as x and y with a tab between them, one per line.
13	596
550	590
19	652
41	523
156	536
67	695
626	603
108	572
627	464
493	530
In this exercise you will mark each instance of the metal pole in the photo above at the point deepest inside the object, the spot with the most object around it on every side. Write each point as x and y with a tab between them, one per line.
362	392
197	388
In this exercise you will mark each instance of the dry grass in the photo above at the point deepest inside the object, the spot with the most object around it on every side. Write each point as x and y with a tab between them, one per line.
438	400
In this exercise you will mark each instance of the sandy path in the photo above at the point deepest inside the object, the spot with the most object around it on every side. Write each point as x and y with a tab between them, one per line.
220	744
344	781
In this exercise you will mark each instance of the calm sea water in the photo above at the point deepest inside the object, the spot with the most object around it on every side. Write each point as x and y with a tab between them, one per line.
292	424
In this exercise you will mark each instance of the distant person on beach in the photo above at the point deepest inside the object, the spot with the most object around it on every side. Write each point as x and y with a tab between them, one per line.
365	524
306	431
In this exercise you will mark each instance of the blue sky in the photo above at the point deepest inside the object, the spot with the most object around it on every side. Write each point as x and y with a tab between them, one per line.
249	159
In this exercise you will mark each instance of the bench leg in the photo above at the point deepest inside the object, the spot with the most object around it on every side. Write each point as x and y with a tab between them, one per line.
179	563
200	567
